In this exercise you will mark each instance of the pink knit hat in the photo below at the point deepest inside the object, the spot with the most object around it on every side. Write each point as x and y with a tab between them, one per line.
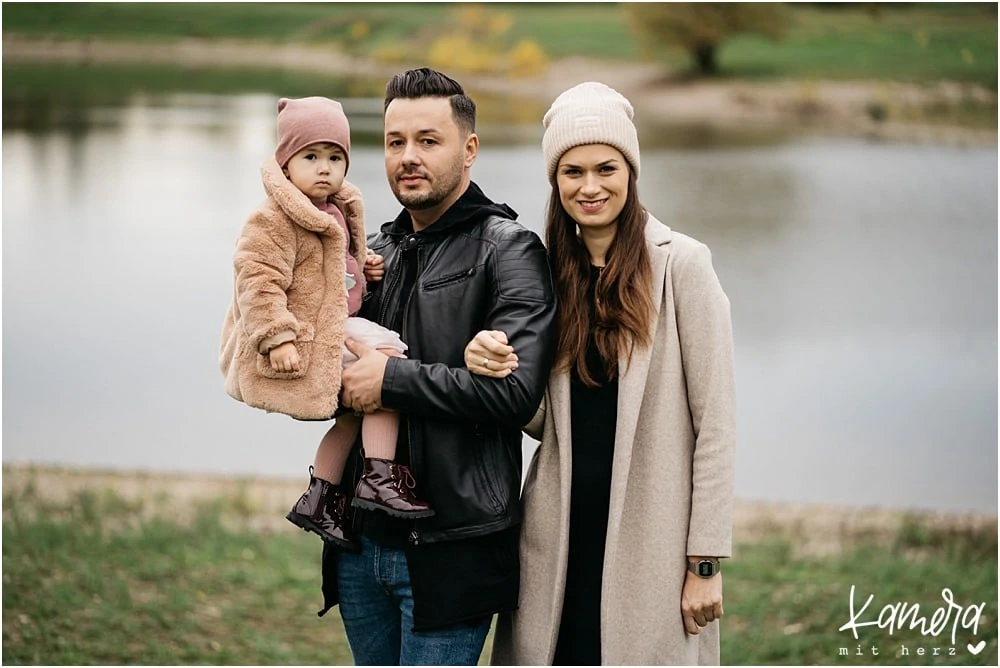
309	120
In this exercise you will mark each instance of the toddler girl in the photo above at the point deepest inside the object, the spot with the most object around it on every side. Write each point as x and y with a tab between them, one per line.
298	285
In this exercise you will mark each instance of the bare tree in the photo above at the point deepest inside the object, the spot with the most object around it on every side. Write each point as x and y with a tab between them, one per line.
699	28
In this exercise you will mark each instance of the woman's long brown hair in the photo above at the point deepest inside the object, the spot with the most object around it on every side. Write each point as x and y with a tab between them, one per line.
624	309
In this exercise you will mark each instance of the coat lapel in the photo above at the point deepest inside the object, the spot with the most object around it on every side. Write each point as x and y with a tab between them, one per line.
558	411
632	387
559	391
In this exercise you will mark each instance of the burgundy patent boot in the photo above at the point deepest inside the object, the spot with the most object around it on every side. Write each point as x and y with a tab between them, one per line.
321	510
388	487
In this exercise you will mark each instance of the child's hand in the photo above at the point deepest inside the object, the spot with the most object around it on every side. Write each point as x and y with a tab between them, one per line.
374	266
285	358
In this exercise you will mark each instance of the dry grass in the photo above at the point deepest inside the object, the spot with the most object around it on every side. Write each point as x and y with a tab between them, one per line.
260	503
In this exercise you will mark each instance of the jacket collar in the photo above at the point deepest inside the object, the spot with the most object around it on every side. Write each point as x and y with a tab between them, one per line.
472	207
293	201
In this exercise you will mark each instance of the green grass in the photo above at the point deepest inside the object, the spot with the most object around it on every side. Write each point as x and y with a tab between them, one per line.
102	580
786	609
265	21
84	585
597	28
909	42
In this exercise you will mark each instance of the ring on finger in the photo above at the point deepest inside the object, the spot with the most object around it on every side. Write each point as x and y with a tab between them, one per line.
486	362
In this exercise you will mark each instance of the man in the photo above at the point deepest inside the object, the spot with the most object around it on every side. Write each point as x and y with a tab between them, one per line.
424	591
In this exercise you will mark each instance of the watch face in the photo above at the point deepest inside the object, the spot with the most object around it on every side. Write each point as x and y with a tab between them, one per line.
706	569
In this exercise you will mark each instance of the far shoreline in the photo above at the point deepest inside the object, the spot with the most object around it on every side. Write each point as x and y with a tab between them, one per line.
841	108
815	529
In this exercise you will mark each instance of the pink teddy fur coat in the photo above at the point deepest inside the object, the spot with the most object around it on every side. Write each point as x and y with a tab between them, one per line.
289	269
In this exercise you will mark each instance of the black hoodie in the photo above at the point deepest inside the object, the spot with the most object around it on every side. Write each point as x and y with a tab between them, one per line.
471	208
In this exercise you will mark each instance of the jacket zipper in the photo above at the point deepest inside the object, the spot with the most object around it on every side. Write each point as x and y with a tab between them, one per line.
386	298
414	535
388	291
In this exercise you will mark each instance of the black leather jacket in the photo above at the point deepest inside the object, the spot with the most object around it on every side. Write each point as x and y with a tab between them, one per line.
476	268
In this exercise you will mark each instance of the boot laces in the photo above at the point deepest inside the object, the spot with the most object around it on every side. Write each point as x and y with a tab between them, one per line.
403	476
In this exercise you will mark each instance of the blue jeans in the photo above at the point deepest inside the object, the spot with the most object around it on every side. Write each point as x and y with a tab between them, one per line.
376	604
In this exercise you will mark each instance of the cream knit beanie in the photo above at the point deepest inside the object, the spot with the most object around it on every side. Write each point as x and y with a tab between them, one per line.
310	120
589	113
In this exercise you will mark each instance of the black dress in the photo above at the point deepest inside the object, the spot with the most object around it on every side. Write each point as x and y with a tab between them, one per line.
593	412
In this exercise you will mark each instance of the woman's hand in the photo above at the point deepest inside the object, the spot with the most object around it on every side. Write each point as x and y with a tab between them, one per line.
701	601
489	355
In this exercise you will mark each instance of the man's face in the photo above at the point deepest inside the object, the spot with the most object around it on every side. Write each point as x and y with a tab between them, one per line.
427	155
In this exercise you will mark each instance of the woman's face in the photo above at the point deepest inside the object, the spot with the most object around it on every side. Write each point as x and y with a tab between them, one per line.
593	183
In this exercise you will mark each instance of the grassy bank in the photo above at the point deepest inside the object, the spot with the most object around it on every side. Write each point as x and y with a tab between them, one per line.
916	43
151	570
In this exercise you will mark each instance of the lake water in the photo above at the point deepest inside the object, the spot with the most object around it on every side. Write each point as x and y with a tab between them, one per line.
862	275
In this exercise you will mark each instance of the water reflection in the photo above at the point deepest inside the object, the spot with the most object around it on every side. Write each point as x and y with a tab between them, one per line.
42	98
861	277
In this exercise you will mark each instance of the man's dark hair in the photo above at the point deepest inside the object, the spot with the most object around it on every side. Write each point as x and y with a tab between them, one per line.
425	82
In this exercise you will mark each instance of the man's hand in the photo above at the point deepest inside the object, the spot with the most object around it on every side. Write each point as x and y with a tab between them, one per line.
374	266
489	355
362	381
701	601
284	358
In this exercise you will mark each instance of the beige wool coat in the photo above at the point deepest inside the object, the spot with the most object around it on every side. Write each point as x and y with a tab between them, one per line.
671	486
289	269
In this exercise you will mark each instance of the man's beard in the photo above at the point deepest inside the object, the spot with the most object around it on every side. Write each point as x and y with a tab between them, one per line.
441	188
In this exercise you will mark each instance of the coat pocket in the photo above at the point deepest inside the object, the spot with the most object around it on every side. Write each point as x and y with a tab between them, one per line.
457	277
304	344
487	468
305	353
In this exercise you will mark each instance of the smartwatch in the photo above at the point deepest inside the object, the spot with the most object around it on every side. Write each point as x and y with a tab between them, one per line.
705	568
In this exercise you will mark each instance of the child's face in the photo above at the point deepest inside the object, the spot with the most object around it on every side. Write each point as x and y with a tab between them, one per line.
317	170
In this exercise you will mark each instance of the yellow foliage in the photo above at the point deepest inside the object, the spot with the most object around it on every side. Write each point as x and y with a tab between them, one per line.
526	59
471	17
475	40
394	53
479	44
499	24
458	52
360	30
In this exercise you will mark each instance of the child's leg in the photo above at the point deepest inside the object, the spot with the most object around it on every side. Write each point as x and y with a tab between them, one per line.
321	507
331	456
379	430
385	485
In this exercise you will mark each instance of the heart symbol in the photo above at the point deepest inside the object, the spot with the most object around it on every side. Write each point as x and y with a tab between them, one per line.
978	648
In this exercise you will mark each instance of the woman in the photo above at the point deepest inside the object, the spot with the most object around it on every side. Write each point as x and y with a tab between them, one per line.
628	500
